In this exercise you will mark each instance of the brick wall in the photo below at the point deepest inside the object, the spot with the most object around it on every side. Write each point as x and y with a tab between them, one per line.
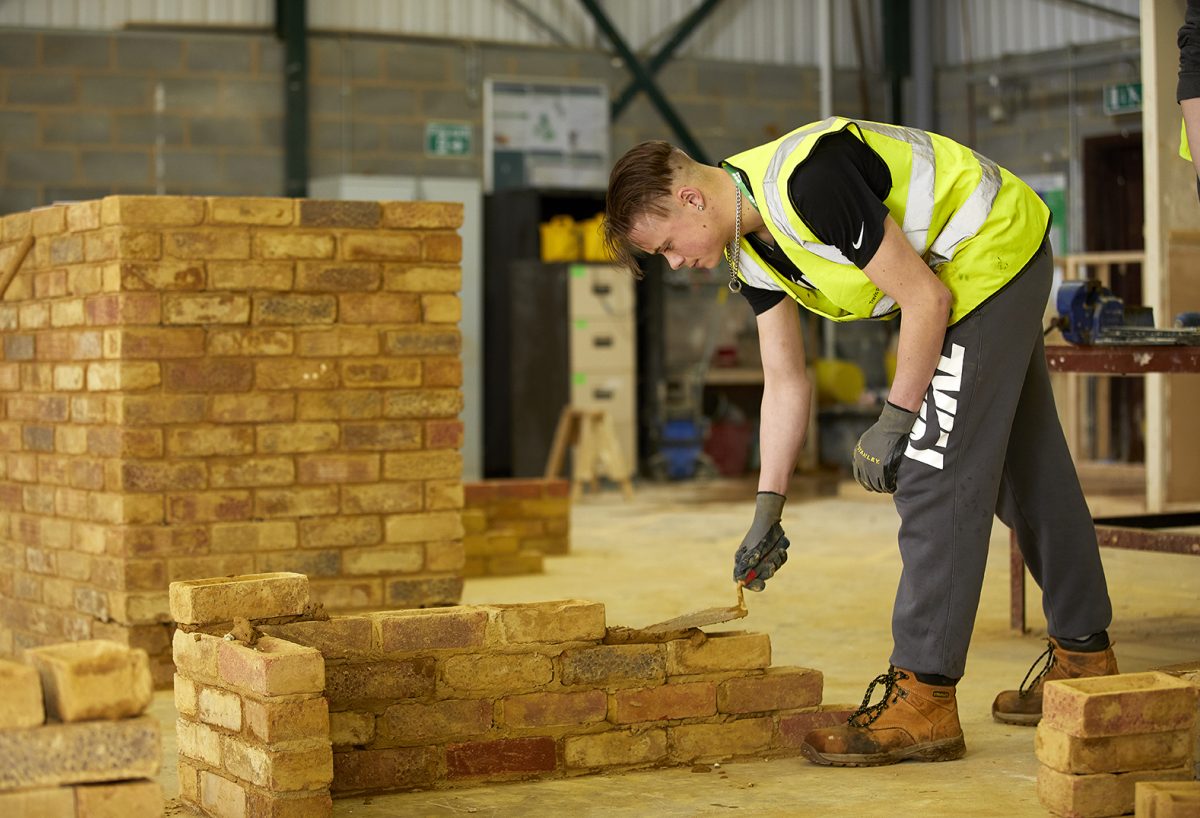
79	116
197	387
511	524
73	737
460	695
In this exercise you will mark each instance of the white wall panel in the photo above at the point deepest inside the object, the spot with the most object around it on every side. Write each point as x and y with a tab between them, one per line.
773	31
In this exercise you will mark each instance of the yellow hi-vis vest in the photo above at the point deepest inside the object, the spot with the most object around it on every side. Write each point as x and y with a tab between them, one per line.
974	223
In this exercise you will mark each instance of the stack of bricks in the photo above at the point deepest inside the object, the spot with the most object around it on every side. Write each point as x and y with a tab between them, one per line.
1190	673
456	696
253	726
511	524
196	387
1167	799
73	740
1101	736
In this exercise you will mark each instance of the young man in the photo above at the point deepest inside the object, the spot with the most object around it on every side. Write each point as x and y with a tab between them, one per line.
861	220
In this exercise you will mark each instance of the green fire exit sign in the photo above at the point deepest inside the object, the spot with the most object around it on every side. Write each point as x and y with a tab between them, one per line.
1123	98
447	139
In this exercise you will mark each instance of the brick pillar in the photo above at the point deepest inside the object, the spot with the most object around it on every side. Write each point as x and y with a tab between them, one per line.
199	387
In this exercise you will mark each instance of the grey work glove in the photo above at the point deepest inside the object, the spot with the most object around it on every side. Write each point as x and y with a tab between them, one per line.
877	455
764	548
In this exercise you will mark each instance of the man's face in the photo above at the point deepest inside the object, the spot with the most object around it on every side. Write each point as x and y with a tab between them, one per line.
685	236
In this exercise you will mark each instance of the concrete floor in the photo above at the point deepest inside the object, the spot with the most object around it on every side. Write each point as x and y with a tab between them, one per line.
669	551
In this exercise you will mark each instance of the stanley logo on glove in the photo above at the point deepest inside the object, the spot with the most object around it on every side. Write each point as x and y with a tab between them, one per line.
877	455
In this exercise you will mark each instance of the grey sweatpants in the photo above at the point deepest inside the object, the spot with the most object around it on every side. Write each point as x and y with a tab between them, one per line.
992	445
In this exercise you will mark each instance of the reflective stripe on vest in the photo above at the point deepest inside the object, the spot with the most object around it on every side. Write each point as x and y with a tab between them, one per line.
918	210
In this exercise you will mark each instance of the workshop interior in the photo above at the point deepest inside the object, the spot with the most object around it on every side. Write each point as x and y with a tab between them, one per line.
388	389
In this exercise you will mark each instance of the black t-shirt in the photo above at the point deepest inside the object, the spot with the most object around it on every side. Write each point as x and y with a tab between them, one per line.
838	191
1188	40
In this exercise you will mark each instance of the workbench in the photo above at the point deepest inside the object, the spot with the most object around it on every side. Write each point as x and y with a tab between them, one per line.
1139	532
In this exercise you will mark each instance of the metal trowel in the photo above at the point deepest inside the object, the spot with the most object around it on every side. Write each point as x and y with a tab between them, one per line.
708	616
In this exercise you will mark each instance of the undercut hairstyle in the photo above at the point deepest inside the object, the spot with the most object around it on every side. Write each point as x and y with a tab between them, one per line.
640	185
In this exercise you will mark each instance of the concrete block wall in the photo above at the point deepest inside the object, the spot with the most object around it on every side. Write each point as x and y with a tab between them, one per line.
212	386
89	114
511	524
1100	737
73	738
456	696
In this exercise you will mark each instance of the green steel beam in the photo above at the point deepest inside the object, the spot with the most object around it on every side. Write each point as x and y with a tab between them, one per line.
291	26
682	32
646	81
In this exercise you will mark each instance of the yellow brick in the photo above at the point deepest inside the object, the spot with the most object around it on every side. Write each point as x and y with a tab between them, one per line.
422	279
422	215
253	472
250	275
123	375
445	556
250	342
289	245
122	799
250	210
83	216
396	559
616	749
292	374
422	465
442	525
67	313
68	377
337	342
221	796
152	210
111	243
252	408
296	502
381	246
49	220
257	596
206	309
381	372
441	309
16	226
277	535
161	275
209	441
381	498
219	243
219	707
442	495
297	437
185	695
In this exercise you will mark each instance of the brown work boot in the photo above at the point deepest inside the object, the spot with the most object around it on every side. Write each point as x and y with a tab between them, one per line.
913	720
1024	705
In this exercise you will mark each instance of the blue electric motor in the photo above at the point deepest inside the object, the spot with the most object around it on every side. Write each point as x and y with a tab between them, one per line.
1086	310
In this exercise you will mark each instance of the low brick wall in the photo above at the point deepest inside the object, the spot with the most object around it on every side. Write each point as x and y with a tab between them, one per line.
455	696
511	524
74	742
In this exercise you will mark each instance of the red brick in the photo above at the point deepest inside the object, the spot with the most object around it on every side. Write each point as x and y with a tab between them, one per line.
396	769
488	758
208	375
444	434
778	689
794	727
672	701
273	667
432	630
342	637
355	683
434	723
546	709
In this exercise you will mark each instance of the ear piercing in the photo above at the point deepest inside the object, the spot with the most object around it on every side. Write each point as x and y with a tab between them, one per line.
700	207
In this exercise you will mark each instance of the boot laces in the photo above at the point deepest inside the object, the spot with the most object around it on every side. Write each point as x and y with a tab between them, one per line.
871	712
1048	655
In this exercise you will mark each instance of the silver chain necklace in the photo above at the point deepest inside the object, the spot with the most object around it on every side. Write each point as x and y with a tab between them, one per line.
735	248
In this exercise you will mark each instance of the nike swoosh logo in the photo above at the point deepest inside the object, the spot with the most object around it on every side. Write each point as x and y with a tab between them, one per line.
858	243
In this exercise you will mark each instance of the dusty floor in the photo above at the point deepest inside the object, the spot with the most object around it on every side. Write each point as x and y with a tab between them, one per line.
669	551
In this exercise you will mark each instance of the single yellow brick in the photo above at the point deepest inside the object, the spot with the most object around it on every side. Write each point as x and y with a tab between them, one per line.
152	210
94	679
251	210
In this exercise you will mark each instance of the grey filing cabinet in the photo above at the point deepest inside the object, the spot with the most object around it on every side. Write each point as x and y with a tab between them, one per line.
603	348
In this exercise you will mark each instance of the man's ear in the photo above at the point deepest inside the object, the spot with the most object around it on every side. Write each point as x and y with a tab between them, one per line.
689	196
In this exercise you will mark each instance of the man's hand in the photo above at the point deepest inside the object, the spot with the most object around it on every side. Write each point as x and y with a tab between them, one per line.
764	548
877	455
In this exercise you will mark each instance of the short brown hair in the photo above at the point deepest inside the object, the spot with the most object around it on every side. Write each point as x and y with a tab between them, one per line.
640	184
